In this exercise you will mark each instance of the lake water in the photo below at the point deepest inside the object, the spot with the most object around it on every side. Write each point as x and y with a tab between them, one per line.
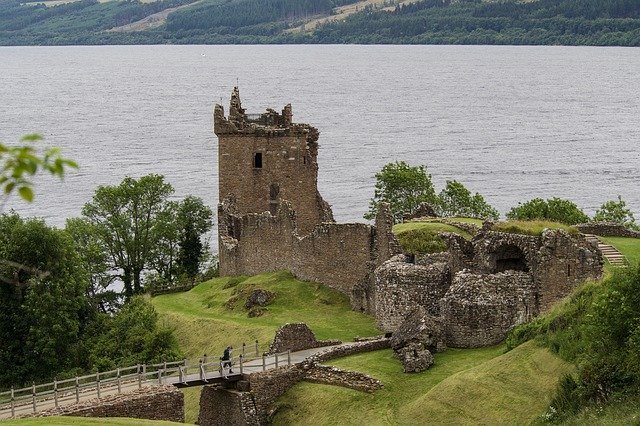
512	123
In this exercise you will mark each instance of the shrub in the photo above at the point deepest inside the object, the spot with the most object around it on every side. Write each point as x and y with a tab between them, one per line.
553	209
421	241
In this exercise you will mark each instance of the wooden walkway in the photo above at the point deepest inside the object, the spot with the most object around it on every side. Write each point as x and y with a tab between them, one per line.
609	252
37	398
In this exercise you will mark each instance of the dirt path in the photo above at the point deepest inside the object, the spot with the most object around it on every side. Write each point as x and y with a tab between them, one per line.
152	21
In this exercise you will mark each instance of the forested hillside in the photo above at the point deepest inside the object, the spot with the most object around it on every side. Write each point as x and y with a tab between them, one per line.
568	22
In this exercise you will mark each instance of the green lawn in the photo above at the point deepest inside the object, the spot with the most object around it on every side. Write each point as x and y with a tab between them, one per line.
531	227
473	386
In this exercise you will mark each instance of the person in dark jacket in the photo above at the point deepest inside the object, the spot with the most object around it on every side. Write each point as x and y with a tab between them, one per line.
227	356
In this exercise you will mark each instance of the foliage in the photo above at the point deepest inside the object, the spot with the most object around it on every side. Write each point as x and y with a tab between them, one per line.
421	241
456	200
567	22
433	226
18	163
599	330
403	187
553	209
126	218
43	308
618	212
530	227
132	337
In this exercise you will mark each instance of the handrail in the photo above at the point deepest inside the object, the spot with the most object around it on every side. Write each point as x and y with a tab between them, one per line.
26	399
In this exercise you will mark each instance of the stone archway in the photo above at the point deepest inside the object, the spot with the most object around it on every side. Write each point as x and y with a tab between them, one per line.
510	257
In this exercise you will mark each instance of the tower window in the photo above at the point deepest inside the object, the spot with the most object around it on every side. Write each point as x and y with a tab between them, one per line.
257	160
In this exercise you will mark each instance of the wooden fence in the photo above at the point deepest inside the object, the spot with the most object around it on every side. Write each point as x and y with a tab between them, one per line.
34	398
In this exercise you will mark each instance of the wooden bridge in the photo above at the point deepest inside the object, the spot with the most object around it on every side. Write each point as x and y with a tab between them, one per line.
203	371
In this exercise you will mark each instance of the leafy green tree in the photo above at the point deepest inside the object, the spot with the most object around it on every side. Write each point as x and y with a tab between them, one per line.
126	221
132	337
616	211
95	259
43	305
18	163
553	209
404	187
456	200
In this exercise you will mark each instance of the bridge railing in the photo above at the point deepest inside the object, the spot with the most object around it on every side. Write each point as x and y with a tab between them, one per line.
30	399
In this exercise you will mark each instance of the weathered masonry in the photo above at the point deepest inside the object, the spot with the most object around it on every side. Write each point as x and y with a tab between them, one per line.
272	217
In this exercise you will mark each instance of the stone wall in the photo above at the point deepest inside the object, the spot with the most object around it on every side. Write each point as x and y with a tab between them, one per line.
351	349
220	406
267	386
297	337
287	168
479	310
341	256
348	379
607	229
150	402
401	286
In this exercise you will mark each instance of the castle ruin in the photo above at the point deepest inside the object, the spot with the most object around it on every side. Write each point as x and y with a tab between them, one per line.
271	217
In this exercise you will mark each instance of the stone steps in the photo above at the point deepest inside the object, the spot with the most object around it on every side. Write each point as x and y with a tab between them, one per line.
609	252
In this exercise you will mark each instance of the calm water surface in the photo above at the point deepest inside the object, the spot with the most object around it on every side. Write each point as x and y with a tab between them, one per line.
512	123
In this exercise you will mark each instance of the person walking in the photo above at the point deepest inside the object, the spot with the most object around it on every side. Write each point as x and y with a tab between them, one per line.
227	356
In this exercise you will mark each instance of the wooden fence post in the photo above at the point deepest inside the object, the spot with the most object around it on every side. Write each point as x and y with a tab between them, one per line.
55	392
241	356
244	345
276	360
264	363
33	395
159	376
289	357
140	376
77	390
13	407
257	351
98	383
119	384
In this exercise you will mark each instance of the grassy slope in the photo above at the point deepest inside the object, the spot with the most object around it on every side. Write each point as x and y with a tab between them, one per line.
479	386
204	325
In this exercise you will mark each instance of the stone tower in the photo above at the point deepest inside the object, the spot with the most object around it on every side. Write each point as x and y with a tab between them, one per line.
264	159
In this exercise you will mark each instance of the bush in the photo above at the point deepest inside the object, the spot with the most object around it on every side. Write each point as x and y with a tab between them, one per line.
421	241
553	209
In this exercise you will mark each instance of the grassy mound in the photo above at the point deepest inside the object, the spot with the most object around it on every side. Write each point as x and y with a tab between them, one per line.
531	227
422	237
212	315
434	227
479	386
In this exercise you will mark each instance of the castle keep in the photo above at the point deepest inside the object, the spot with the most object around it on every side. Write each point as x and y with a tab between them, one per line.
271	217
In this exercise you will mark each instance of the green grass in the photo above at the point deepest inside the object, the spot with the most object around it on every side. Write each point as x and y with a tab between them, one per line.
431	226
476	386
531	227
203	324
619	411
80	421
630	247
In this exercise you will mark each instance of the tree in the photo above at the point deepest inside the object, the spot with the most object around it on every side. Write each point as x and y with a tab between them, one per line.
43	306
616	211
126	221
18	163
456	200
554	209
404	187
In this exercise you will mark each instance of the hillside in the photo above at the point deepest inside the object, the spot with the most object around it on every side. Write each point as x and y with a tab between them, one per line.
551	22
204	321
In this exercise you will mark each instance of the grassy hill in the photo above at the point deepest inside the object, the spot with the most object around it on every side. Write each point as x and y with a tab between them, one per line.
538	22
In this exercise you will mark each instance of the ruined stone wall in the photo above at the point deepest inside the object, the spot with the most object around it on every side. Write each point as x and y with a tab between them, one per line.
297	337
267	386
400	286
266	160
564	261
340	256
227	407
327	375
150	402
492	247
607	229
480	309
